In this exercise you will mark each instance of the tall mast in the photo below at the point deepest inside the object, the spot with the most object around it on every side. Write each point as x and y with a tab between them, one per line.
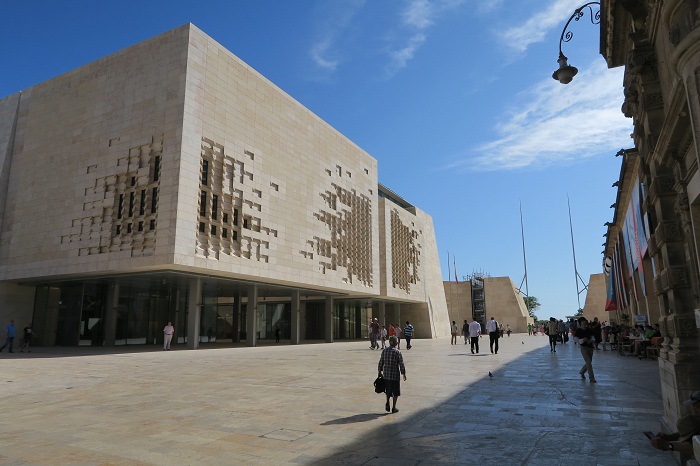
577	277
522	235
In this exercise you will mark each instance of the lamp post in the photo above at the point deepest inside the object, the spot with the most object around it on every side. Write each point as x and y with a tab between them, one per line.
566	72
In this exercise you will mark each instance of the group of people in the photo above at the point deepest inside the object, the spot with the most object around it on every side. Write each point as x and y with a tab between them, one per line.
471	332
10	338
379	334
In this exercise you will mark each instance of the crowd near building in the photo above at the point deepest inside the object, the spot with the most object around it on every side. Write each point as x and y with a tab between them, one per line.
172	182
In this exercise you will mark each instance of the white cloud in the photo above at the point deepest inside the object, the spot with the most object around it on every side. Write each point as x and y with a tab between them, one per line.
535	28
416	19
318	54
558	124
334	19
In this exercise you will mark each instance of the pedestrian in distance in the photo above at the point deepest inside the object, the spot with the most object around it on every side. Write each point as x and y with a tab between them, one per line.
454	329
474	334
391	368
494	334
586	342
9	336
382	336
408	334
561	329
529	328
374	333
27	339
399	334
508	330
553	331
277	334
168	333
465	331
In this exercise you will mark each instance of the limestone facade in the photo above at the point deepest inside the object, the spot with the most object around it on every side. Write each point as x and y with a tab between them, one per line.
175	160
658	43
595	300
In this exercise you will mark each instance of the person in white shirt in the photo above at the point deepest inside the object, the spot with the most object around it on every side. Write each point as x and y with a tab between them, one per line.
168	333
382	335
474	334
494	334
454	329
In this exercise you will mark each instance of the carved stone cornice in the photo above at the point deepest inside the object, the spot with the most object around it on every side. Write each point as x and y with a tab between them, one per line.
682	208
674	277
680	173
662	186
668	231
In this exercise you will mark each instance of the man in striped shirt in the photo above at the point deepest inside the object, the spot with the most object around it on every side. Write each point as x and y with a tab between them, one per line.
391	368
408	334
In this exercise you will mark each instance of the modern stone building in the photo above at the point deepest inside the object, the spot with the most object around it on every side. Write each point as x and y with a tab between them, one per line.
594	305
491	297
172	182
653	239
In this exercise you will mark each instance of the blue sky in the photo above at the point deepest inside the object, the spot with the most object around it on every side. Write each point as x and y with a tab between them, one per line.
454	98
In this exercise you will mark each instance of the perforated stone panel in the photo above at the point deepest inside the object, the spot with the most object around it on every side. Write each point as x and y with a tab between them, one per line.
120	210
348	245
228	202
405	253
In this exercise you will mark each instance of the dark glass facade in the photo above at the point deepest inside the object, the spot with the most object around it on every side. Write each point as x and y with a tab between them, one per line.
78	314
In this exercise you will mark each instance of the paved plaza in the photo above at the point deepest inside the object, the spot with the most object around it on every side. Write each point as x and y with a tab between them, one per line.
315	404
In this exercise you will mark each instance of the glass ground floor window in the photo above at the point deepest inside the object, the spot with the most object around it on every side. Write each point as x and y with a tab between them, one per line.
77	313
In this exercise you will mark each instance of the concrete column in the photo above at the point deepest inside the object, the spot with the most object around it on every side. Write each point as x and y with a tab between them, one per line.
295	317
329	319
382	315
236	321
194	312
111	313
252	316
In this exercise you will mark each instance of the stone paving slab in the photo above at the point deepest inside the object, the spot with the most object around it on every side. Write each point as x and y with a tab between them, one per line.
315	405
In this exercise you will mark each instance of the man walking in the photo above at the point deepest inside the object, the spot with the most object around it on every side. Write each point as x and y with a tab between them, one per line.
474	334
9	336
374	333
27	339
454	329
168	332
494	334
391	368
552	331
584	335
465	331
408	334
561	328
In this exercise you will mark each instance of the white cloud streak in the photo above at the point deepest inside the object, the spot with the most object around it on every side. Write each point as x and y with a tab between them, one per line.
416	19
335	19
558	124
535	28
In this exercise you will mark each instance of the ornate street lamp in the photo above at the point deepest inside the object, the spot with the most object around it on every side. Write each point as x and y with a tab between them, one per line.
566	72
